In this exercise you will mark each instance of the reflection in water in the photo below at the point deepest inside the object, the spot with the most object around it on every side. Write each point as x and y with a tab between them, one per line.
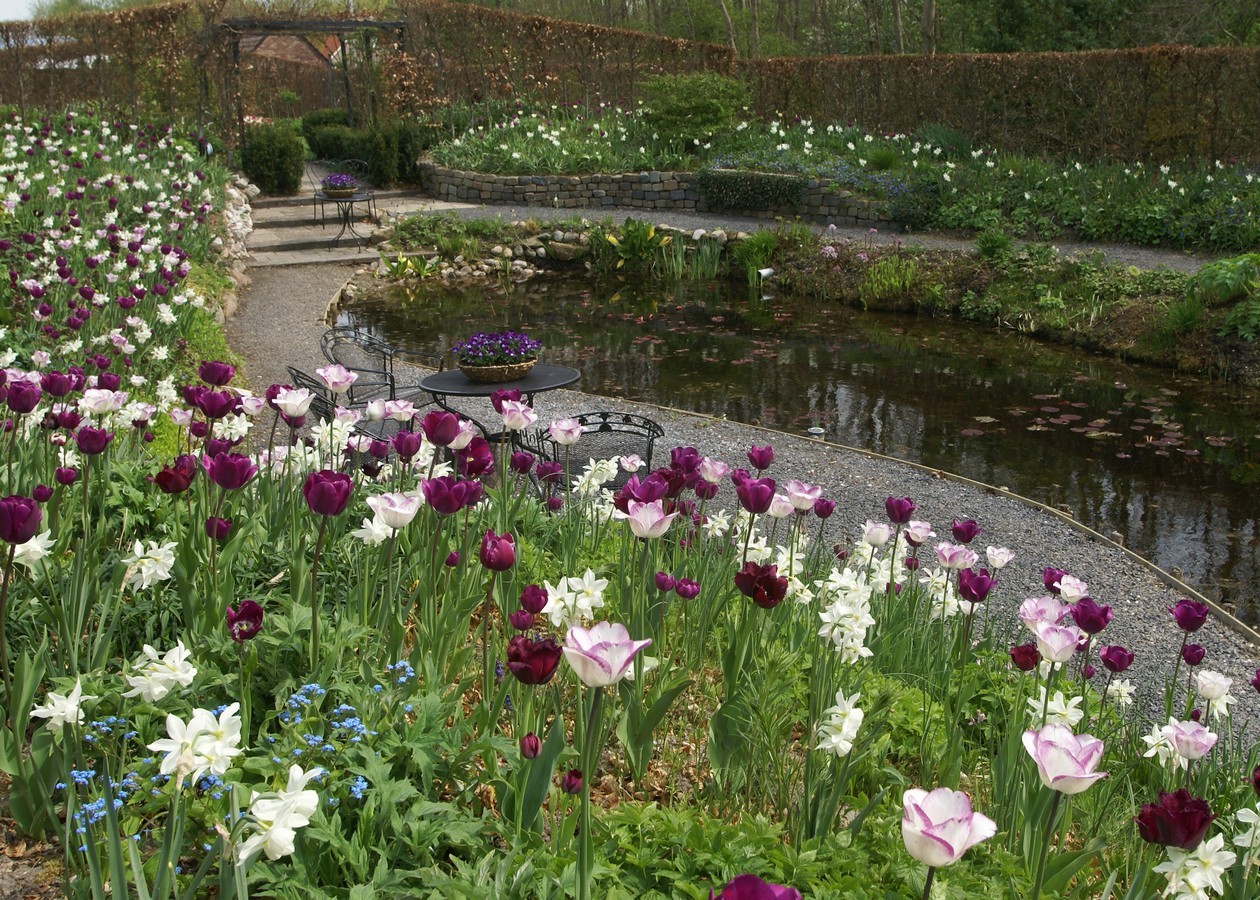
1168	463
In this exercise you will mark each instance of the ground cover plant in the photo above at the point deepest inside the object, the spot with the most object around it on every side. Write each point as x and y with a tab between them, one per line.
244	652
934	178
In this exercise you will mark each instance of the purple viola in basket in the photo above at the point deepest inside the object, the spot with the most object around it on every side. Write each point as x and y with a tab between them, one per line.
501	348
339	181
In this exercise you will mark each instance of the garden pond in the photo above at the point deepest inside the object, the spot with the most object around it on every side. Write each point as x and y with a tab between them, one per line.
1166	462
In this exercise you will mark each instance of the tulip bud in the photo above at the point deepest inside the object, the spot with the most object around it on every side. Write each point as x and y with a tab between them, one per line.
664	581
521	620
42	493
571	781
498	551
1193	654
531	746
533	599
686	589
899	509
217	529
1025	657
452	559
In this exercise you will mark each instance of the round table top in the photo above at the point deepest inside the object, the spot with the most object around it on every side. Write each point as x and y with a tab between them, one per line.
454	383
356	197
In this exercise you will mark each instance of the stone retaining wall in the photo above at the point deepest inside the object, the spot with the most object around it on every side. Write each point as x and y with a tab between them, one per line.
642	190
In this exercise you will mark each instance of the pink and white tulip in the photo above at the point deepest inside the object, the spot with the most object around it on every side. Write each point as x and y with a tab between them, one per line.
939	826
602	654
1066	762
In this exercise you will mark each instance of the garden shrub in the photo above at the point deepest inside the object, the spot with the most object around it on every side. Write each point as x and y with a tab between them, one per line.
336	142
382	156
916	202
993	244
693	106
322	118
724	189
273	157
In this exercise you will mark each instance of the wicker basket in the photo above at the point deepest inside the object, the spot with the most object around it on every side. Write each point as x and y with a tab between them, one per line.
497	374
339	193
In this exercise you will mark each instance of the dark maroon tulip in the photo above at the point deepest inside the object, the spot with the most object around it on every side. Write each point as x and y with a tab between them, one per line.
1177	820
1050	578
899	509
498	551
452	559
686	589
229	471
178	476
245	621
704	490
23	396
549	472
1189	614
92	441
531	746
760	458
214	373
199	429
553	504
327	492
1090	616
440	427
571	781
19	519
218	529
57	384
406	444
756	494
1026	657
762	584
65	476
271	394
68	419
1255	681
42	493
533	599
665	581
521	620
448	495
823	508
911	562
521	462
1255	780
1193	654
974	587
476	459
215	446
965	531
1115	658
1088	672
378	450
750	887
217	404
533	662
497	398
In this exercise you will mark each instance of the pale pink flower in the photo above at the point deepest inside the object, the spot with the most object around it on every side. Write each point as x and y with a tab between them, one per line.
1072	588
713	470
802	494
631	463
395	510
565	432
1057	643
647	520
602	654
780	507
1066	762
919	532
955	556
517	415
1046	609
337	377
939	826
294	402
876	534
999	556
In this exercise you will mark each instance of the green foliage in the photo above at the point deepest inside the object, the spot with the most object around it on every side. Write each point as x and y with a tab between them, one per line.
723	189
1227	280
994	244
890	279
273	157
1244	319
954	144
638	244
693	106
322	118
882	158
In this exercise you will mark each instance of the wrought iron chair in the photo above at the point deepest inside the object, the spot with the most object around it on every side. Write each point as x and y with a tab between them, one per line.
373	361
605	435
322	407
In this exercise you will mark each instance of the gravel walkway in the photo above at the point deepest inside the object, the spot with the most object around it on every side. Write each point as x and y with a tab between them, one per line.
280	319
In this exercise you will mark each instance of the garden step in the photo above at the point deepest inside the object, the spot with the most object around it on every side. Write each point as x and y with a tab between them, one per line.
281	239
304	199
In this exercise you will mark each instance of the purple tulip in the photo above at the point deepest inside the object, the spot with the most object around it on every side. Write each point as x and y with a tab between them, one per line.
750	887
229	471
965	531
1177	820
1193	654
762	584
497	398
1050	579
23	396
531	746
440	427
1026	657
178	476
665	582
1115	658
899	509
549	472
476	459
92	441
760	458
406	444
498	551
686	589
1090	616
452	559
217	404
245	621
215	374
755	494
1189	615
571	781
939	826
533	599
533	662
19	519
218	529
56	384
447	495
327	492
1255	681
823	508
1255	780
521	619
65	476
974	587
521	462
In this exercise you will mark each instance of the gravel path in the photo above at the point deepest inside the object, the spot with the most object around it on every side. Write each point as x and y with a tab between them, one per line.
280	319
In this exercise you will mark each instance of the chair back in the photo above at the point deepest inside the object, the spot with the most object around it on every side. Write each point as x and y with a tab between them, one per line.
321	399
368	357
605	435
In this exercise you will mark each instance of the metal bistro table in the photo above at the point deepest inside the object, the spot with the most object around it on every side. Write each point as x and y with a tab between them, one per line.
454	383
345	212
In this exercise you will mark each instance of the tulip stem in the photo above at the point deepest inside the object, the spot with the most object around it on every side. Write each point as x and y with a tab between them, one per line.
4	638
319	543
927	885
590	752
487	666
1045	845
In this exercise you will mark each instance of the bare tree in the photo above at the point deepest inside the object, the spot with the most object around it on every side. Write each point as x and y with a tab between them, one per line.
899	39
730	26
927	28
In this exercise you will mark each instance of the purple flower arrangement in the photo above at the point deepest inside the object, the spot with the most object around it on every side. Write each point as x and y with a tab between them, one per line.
339	181
502	348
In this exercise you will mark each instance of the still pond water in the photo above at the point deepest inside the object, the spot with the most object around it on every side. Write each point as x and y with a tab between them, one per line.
1170	463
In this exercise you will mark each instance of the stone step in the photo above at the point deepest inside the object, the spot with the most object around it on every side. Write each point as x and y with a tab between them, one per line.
275	240
304	198
346	253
